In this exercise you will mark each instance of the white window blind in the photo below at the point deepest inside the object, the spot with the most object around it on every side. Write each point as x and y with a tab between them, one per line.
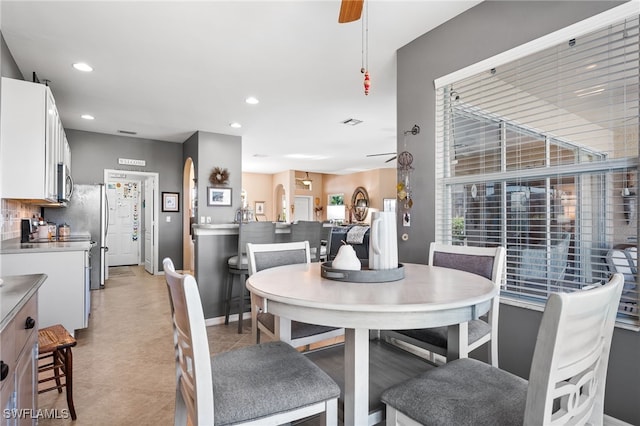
540	155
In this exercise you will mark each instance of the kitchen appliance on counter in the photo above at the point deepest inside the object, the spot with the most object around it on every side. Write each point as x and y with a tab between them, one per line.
86	218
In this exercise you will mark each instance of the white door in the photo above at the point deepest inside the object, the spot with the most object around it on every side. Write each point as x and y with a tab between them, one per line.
149	224
123	238
303	209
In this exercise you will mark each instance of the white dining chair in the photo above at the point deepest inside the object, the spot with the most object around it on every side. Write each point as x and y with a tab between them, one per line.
566	381
266	384
296	333
485	261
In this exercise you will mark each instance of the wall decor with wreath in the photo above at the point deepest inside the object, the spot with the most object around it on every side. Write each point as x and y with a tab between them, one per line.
219	176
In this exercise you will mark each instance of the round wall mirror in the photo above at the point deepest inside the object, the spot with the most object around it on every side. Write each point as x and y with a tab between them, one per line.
360	204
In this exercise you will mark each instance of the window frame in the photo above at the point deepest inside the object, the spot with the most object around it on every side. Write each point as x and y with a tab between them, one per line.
445	182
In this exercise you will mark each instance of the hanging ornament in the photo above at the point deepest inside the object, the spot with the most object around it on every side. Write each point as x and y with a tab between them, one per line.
364	69
367	82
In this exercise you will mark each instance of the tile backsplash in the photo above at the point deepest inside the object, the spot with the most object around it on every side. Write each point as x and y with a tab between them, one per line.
12	212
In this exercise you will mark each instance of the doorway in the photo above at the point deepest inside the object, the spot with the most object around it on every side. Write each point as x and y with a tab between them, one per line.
303	207
133	210
189	203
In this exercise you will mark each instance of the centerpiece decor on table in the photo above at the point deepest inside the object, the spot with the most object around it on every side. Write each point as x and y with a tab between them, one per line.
219	176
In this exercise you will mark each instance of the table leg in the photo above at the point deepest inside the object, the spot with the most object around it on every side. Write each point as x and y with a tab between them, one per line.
356	376
283	329
457	341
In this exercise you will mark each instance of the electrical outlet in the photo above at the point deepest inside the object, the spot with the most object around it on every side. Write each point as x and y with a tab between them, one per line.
208	219
201	219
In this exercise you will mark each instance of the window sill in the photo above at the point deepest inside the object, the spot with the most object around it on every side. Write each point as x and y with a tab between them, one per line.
625	325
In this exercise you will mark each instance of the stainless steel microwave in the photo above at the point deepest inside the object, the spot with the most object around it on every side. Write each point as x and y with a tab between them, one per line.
65	183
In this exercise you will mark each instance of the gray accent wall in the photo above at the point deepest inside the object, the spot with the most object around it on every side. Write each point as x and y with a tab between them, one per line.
92	153
210	150
216	150
481	32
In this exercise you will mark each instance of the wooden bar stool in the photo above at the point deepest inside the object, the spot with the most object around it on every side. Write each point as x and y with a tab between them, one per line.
55	342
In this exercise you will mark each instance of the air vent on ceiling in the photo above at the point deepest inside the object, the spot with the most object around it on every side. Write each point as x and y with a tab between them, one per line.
352	121
127	132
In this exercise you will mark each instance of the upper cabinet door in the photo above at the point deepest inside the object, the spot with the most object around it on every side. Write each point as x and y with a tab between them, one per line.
31	141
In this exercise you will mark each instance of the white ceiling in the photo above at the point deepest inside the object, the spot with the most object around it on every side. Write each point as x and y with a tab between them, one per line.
166	69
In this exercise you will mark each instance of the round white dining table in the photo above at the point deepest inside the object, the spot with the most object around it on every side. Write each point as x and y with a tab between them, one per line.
427	296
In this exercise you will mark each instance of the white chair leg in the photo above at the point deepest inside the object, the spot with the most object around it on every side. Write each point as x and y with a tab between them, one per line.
330	416
392	416
493	352
180	415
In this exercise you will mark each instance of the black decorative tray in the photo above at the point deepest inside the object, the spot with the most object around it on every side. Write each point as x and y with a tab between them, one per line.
364	275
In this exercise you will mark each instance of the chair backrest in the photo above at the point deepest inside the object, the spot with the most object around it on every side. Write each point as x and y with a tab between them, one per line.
484	261
264	256
618	261
569	367
308	231
535	265
255	232
192	345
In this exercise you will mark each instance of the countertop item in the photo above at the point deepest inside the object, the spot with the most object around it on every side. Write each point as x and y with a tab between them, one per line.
15	291
15	246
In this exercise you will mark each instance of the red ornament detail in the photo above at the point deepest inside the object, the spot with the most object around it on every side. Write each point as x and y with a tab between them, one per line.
367	83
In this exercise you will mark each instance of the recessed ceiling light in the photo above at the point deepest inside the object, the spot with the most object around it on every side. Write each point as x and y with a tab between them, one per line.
81	66
235	125
252	101
87	116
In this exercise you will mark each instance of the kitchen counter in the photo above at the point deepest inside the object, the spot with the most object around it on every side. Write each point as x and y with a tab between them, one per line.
15	291
15	246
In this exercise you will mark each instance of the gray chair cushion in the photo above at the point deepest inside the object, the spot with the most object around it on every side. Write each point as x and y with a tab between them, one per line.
461	392
260	380
233	262
437	336
298	329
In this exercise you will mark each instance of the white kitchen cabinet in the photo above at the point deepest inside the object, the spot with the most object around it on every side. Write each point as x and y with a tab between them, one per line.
32	141
64	297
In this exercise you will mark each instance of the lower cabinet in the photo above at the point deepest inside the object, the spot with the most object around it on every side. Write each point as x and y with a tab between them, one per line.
64	297
18	389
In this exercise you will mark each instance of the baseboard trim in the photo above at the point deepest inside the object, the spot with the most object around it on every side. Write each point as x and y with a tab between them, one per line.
220	320
612	421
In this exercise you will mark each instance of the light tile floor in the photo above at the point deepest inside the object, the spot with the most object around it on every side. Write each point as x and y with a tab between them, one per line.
123	366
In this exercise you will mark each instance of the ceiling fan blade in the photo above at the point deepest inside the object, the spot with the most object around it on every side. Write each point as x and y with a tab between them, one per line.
391	159
350	10
378	155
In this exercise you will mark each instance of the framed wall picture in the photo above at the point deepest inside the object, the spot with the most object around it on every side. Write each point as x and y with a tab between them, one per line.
170	202
259	207
218	196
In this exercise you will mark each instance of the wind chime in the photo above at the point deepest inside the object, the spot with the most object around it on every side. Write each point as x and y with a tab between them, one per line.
405	159
364	69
